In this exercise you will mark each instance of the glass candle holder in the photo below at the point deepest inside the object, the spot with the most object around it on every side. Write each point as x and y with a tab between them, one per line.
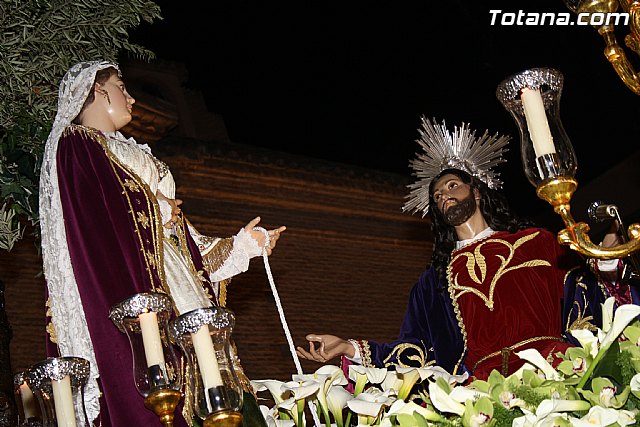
204	336
58	384
532	97
144	319
26	402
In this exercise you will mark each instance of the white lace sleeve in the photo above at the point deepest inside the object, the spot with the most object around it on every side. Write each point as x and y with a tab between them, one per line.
244	248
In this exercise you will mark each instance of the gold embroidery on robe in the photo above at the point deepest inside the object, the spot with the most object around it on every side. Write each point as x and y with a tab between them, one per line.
399	351
143	219
477	259
581	321
131	185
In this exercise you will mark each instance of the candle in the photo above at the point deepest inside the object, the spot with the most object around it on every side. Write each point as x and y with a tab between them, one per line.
151	339
206	355
537	122
28	402
63	401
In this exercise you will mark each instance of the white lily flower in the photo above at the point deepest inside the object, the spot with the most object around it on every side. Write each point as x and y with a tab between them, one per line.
369	403
409	377
533	356
597	416
623	316
325	377
587	340
337	399
270	417
550	406
626	418
531	420
287	405
391	382
443	402
374	375
635	383
607	313
301	389
274	387
462	394
439	372
527	420
552	420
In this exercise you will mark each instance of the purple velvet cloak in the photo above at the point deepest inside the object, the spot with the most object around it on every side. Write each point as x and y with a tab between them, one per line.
114	239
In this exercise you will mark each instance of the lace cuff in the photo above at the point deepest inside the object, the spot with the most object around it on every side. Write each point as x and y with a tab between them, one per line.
245	247
357	358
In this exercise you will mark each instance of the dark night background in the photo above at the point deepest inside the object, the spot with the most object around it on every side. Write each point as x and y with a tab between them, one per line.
348	81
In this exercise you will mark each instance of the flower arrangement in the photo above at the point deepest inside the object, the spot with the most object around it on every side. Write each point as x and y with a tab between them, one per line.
596	384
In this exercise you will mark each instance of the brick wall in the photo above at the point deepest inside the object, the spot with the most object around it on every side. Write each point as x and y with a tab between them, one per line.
345	265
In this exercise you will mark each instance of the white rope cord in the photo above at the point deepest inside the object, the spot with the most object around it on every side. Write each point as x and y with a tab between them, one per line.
285	326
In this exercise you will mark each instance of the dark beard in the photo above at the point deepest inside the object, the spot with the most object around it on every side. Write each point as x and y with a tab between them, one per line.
461	211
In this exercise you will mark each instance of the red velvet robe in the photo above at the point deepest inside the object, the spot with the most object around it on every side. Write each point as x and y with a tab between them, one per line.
507	291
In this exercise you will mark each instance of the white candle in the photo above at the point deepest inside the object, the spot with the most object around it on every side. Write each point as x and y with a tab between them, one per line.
206	355
151	339
537	122
63	401
28	402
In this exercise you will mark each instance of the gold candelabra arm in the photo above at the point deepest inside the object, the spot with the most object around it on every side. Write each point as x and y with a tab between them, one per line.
617	57
577	237
557	192
615	53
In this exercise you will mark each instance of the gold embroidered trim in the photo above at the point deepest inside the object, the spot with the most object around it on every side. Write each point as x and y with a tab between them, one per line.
156	258
401	348
215	257
222	291
477	259
365	352
506	351
456	310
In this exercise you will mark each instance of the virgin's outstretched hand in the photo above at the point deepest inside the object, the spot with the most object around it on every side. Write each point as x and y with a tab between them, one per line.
259	236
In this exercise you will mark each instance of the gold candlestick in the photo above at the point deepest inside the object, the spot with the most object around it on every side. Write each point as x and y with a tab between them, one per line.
225	418
163	403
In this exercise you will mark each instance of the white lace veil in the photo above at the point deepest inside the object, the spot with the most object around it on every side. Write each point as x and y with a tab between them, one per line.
66	307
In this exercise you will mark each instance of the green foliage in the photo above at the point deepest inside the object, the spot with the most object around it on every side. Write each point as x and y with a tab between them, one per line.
41	39
504	417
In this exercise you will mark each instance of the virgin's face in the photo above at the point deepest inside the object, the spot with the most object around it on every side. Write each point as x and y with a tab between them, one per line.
119	103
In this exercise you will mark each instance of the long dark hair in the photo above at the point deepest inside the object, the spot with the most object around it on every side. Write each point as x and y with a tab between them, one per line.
495	210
